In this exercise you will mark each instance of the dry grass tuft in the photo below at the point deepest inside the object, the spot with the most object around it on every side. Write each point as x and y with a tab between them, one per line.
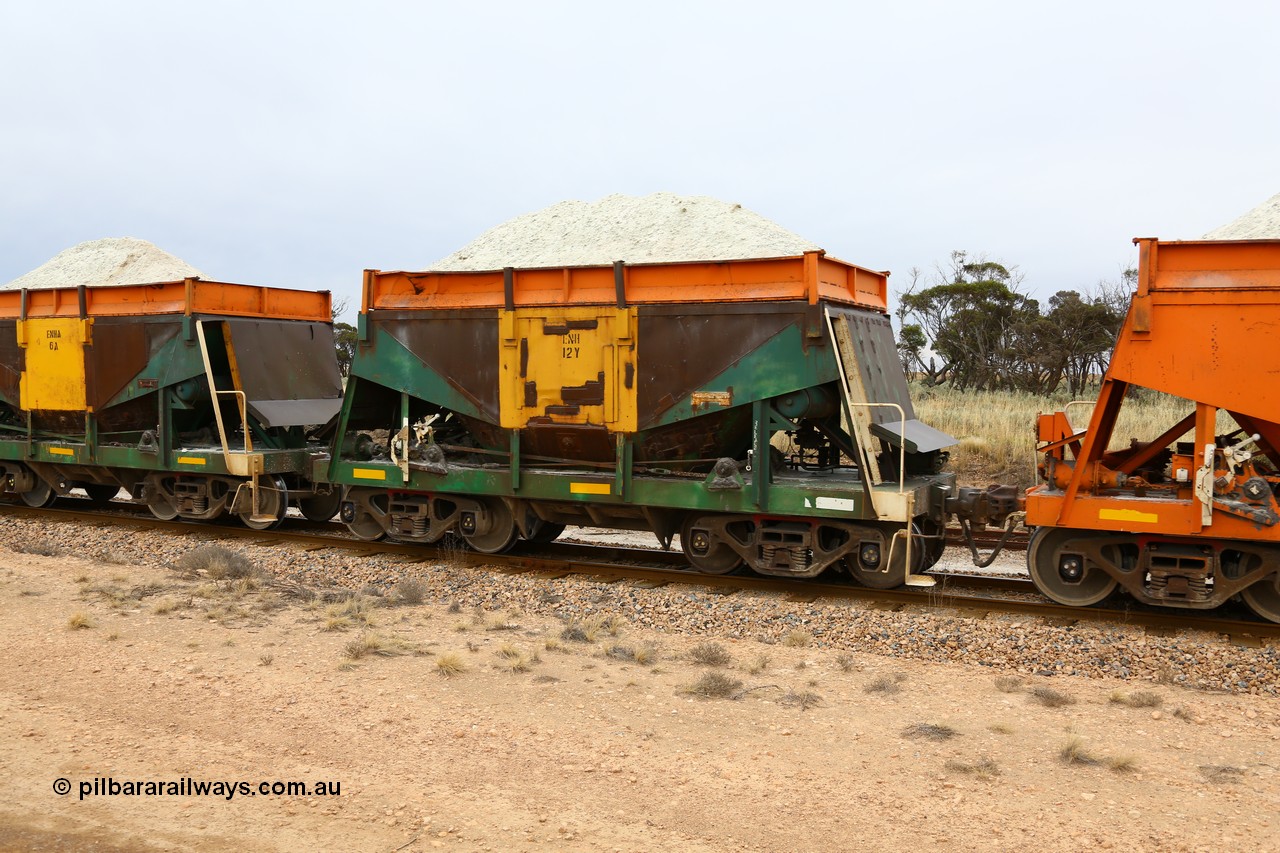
887	684
216	563
710	654
1001	728
759	665
1184	713
79	621
1051	698
929	731
797	638
409	591
1145	699
41	548
512	658
356	610
575	633
983	768
714	684
370	644
1122	763
804	700
163	606
1074	752
450	664
846	662
589	630
1009	683
643	655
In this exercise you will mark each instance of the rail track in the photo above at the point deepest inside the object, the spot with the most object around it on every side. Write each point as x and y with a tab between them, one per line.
970	595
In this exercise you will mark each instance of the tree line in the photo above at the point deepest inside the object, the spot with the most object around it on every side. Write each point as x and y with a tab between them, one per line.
971	326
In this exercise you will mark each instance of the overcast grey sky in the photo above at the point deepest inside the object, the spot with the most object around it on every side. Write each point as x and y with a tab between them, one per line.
295	144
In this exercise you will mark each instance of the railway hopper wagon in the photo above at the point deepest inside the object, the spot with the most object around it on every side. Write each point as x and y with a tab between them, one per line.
756	409
195	395
1190	518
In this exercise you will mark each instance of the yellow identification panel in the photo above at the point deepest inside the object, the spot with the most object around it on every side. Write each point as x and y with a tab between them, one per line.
568	366
54	375
1132	515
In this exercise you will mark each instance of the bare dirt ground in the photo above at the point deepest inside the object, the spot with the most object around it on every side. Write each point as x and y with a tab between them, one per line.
136	674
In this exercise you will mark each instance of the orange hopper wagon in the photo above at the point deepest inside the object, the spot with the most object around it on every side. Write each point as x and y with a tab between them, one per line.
1190	518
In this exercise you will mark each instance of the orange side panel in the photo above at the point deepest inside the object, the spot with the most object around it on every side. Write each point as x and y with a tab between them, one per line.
1137	515
809	277
1204	327
191	296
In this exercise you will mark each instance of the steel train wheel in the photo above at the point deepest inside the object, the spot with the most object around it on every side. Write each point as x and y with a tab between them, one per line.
159	504
704	551
1263	597
367	528
273	500
1063	575
883	575
933	541
502	531
100	494
889	577
41	494
545	531
321	508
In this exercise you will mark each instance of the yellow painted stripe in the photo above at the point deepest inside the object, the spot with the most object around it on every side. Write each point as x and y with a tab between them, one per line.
62	451
1128	515
190	460
369	473
590	488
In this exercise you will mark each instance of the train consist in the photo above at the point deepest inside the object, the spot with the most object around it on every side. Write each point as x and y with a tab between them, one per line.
754	409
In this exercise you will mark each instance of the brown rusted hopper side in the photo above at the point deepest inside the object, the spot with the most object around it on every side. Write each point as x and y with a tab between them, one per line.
1189	519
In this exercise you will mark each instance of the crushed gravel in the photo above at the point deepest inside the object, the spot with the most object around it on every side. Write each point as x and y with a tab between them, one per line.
656	228
107	262
1002	642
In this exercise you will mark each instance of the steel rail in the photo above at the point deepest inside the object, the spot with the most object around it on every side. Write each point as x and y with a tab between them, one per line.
967	594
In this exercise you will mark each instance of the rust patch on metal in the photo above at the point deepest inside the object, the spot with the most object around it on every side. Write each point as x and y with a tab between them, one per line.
712	398
590	393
